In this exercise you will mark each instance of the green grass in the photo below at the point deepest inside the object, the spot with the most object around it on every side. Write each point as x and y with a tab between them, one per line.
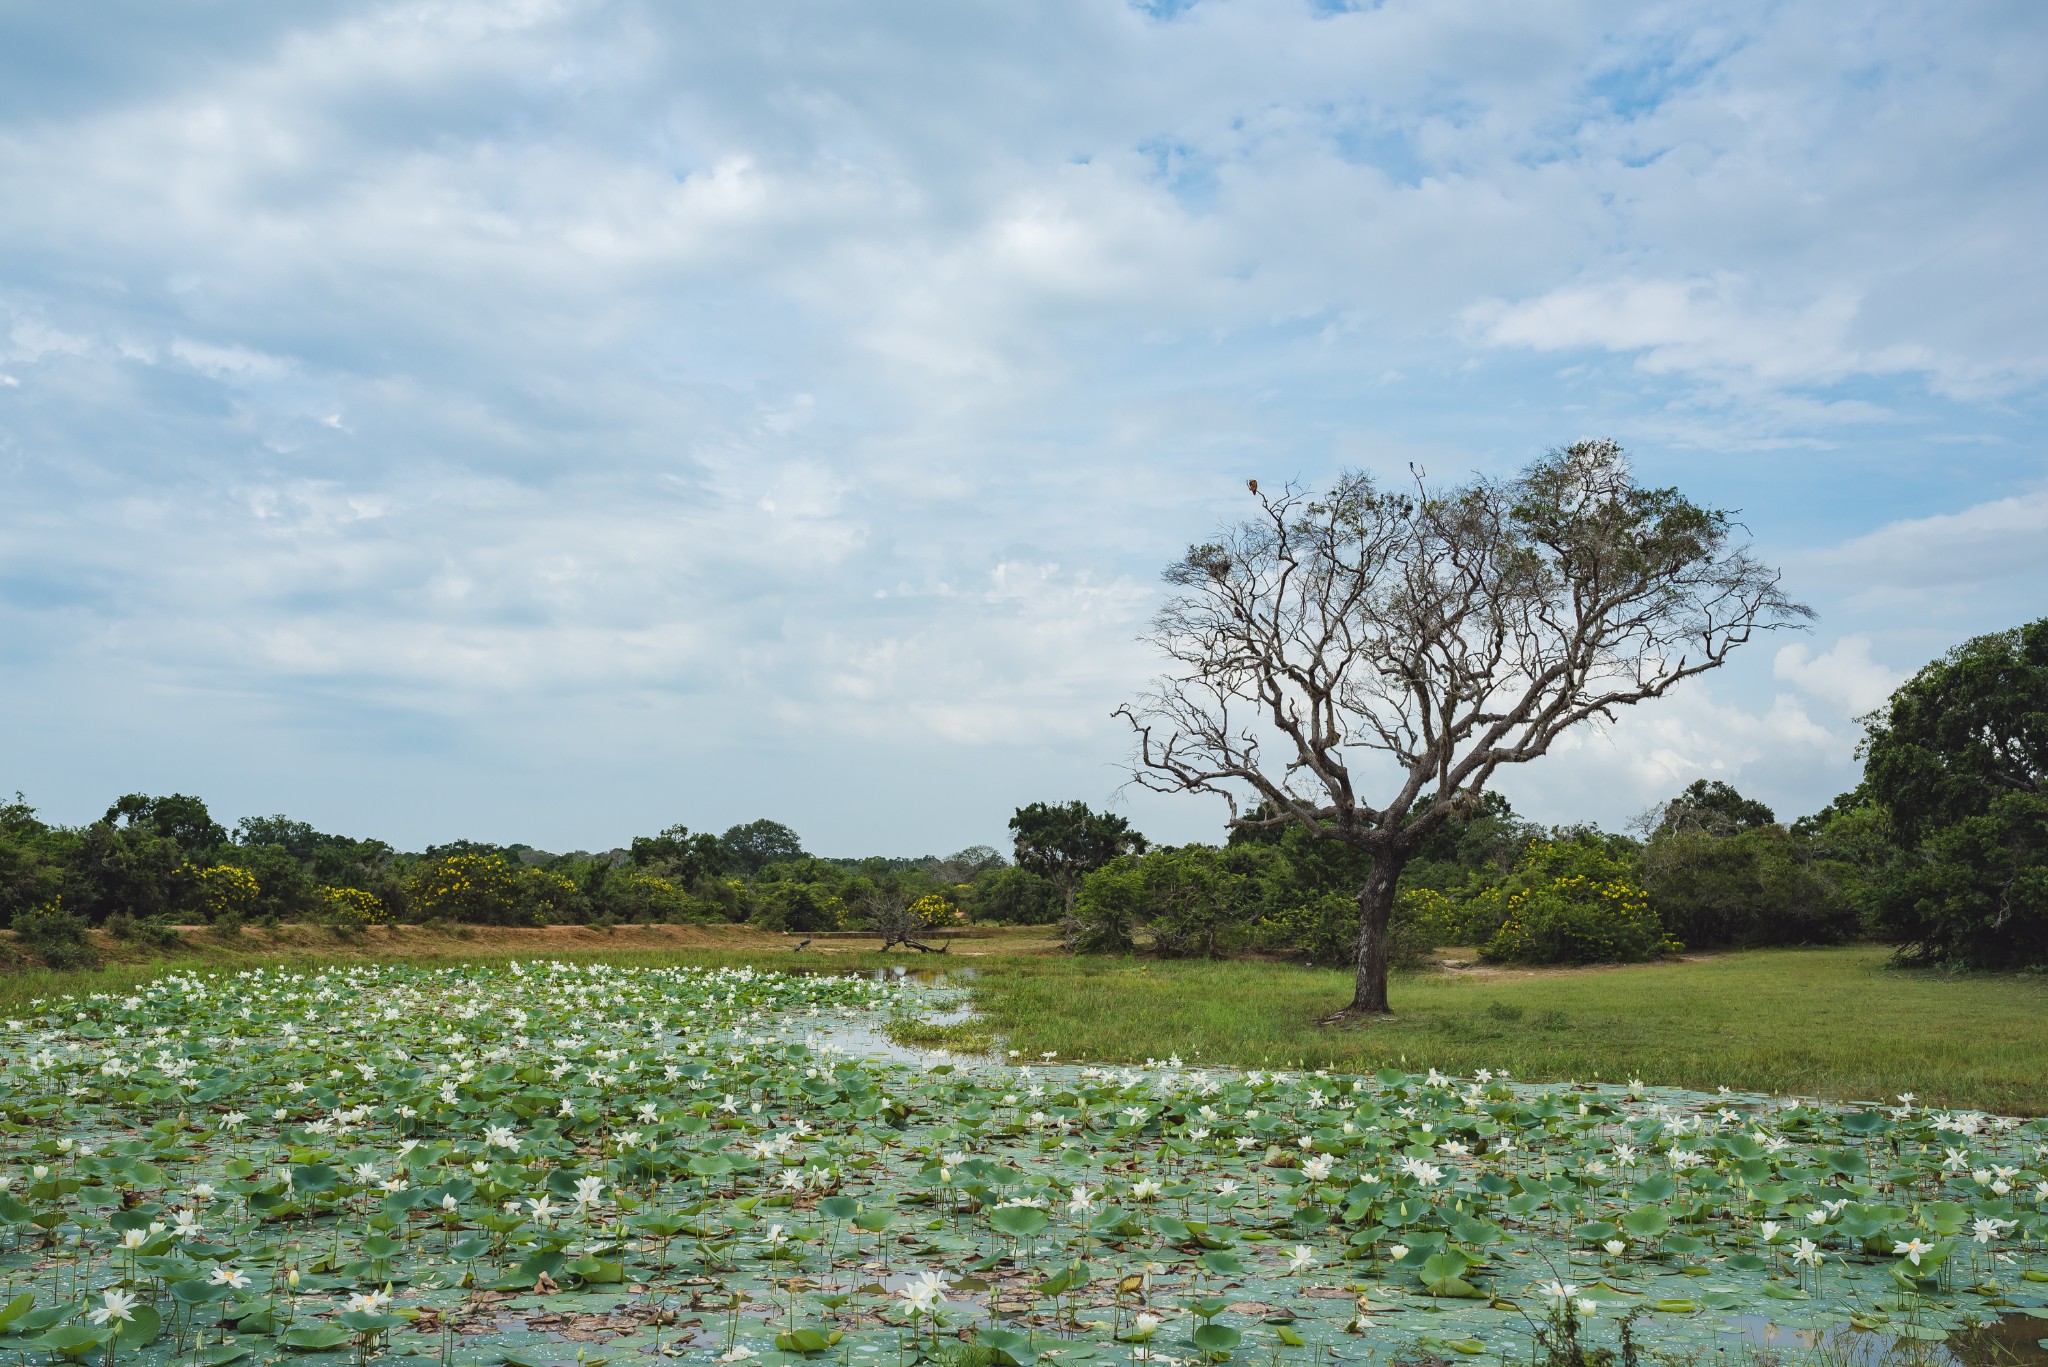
1833	1023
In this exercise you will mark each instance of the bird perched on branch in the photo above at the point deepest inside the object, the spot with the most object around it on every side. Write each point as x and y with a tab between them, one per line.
1252	485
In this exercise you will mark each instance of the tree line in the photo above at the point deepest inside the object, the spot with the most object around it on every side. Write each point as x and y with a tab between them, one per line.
1940	851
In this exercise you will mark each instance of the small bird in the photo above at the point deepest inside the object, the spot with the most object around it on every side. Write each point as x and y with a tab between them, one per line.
1252	485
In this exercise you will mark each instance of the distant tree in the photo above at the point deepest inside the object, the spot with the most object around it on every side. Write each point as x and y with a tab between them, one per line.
1711	807
1758	886
1064	844
757	844
1958	760
1433	637
966	865
287	890
32	859
793	905
125	870
180	819
681	856
296	838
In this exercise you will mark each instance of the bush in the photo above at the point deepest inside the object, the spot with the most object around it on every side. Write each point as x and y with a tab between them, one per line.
1016	897
1757	887
1108	910
799	907
155	932
1573	901
932	911
478	888
1446	920
636	895
351	908
1196	901
56	935
227	891
1323	930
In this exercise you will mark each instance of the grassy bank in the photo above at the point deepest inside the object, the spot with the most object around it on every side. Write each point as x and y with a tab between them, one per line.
1834	1023
1831	1022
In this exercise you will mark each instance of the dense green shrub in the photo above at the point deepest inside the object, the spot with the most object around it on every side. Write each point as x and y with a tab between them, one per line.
1755	887
1323	930
1194	900
799	906
1108	909
153	932
1012	896
636	895
57	935
1573	901
1199	901
1443	919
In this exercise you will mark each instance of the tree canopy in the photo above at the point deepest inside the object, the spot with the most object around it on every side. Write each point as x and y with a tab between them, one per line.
1065	843
1958	760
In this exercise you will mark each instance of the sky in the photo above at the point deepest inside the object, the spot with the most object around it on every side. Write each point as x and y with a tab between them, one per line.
551	420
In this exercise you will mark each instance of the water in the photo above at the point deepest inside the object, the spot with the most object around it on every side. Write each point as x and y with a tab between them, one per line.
2012	1340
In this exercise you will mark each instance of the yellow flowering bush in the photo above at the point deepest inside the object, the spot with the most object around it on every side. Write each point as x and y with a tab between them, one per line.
352	907
931	911
227	893
1572	902
1433	916
469	887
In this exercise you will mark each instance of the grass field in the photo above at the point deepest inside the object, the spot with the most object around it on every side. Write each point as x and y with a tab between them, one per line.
1834	1023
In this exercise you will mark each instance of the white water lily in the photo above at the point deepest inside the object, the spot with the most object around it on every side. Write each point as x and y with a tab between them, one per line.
924	1294
115	1304
1912	1249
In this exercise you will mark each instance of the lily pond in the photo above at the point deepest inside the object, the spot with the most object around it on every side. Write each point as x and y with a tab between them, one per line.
553	1163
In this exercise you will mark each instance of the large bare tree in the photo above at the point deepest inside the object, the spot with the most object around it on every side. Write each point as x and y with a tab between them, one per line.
1362	663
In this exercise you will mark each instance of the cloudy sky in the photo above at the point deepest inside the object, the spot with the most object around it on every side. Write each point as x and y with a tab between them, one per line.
553	419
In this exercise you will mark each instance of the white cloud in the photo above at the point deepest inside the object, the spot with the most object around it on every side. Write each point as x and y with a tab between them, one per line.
741	393
1708	326
1998	539
1844	675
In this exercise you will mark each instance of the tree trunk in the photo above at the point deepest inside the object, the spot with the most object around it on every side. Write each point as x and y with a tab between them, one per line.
1374	949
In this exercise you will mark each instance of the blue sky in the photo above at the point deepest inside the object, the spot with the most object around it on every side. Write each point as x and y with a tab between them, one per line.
549	421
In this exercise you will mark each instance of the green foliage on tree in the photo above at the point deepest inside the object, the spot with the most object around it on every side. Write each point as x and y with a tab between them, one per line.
1748	889
1721	871
182	820
1712	807
684	858
753	846
1958	762
1063	844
